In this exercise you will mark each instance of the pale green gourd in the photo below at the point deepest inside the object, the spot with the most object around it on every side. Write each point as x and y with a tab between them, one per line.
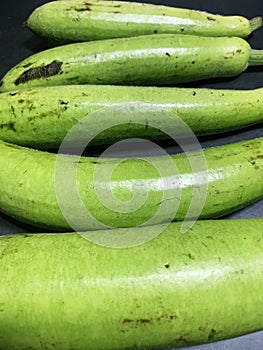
74	21
145	60
44	189
42	117
62	292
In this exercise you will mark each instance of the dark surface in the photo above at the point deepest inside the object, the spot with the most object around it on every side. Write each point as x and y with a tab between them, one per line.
17	43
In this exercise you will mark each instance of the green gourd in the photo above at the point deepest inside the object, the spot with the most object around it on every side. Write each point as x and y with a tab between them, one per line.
60	291
164	59
42	117
69	192
75	21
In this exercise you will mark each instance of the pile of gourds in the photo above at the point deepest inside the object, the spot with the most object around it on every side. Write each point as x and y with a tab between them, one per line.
137	258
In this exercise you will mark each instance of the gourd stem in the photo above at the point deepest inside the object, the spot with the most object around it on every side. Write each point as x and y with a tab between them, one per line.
255	58
255	23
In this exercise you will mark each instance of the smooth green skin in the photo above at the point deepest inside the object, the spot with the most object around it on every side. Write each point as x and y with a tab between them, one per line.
30	187
42	117
145	60
74	21
62	292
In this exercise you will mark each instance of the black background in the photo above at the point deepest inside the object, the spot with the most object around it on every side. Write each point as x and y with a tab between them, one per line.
17	42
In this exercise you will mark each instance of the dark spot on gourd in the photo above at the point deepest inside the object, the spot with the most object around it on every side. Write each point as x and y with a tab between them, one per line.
190	256
146	123
210	18
26	65
8	126
116	12
143	320
137	321
63	103
127	320
212	334
155	31
167	54
85	7
182	339
182	29
12	93
166	265
194	93
173	317
43	71
75	78
21	101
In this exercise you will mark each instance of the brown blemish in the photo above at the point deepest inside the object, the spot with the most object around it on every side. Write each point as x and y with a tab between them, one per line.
43	71
85	7
138	321
127	320
210	18
12	93
148	320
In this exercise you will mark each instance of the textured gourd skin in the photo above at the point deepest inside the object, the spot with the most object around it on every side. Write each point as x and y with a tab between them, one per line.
32	183
95	20
42	117
61	291
144	60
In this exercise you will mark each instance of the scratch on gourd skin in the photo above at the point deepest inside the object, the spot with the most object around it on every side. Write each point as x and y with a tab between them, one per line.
43	71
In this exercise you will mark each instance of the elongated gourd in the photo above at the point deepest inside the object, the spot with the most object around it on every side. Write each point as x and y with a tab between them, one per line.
144	60
64	192
74	21
61	291
42	117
